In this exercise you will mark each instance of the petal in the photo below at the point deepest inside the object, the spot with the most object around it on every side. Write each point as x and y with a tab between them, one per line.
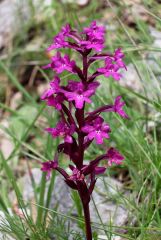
91	135
100	170
87	128
46	94
122	113
68	139
99	139
104	135
87	100
116	76
46	66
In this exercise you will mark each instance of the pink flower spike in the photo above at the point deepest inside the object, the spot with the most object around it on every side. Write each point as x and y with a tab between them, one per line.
118	107
114	157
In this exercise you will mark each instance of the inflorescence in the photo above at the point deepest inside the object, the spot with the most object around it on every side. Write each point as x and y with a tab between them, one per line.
76	127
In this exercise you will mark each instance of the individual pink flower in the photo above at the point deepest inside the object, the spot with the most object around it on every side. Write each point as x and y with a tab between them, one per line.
97	45
79	98
62	130
97	130
95	37
95	31
58	42
118	56
110	69
114	157
79	174
60	64
55	101
79	95
76	174
48	167
66	30
118	107
54	88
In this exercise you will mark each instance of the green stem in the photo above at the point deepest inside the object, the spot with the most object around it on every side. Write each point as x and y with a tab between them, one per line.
40	210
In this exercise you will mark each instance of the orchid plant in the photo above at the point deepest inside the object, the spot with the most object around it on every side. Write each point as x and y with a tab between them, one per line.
76	127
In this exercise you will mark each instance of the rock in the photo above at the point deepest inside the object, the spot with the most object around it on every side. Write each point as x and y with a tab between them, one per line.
6	143
79	2
155	33
82	2
156	43
154	57
41	88
16	100
131	2
102	237
15	14
130	78
108	210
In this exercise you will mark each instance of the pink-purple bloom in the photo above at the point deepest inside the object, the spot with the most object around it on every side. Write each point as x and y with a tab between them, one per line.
60	64
97	130
118	58
110	69
95	37
97	45
49	166
63	130
94	31
83	172
55	101
114	156
118	107
59	40
79	94
54	88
